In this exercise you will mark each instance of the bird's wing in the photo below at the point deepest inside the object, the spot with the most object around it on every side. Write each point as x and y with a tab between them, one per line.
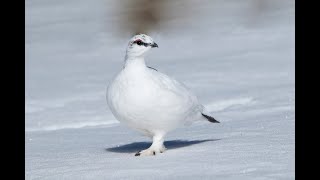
173	86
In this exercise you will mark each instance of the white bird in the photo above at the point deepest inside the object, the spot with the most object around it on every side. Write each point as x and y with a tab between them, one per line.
149	101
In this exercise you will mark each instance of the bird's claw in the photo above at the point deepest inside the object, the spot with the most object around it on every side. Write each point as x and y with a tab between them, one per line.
146	153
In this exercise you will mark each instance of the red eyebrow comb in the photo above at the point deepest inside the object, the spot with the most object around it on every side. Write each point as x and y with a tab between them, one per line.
137	40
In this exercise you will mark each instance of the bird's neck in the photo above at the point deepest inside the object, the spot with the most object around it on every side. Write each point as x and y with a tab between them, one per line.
134	62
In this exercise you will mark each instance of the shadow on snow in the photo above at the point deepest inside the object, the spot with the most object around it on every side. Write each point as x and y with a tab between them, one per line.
138	146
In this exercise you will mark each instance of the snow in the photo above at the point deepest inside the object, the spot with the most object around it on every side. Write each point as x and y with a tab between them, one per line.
243	74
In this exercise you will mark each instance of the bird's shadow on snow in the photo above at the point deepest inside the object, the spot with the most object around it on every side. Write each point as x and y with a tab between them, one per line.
138	146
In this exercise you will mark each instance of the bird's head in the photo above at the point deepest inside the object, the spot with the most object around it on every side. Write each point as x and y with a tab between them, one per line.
139	45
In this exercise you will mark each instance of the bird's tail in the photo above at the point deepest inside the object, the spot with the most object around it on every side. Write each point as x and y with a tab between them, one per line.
210	119
205	113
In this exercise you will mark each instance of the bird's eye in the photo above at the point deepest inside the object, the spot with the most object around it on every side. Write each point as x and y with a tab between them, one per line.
139	43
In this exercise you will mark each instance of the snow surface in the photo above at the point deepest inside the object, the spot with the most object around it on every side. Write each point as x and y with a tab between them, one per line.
240	64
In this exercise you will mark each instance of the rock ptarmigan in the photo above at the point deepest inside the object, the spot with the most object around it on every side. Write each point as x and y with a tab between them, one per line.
149	101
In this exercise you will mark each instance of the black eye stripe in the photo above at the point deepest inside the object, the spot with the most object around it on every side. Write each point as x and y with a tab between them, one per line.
140	43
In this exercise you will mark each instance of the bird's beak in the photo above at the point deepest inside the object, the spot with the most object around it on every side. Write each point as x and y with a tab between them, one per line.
154	45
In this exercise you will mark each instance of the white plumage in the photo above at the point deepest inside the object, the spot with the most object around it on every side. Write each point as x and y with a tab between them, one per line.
150	101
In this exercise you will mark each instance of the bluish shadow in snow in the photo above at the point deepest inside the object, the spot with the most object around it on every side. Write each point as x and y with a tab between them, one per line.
138	146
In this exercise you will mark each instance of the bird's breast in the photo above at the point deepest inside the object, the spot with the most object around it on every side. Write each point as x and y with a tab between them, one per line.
130	95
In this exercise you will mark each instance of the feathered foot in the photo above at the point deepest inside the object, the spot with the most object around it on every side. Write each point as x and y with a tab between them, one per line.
155	148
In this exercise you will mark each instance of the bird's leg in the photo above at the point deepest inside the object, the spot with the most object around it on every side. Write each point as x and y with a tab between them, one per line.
156	147
157	143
